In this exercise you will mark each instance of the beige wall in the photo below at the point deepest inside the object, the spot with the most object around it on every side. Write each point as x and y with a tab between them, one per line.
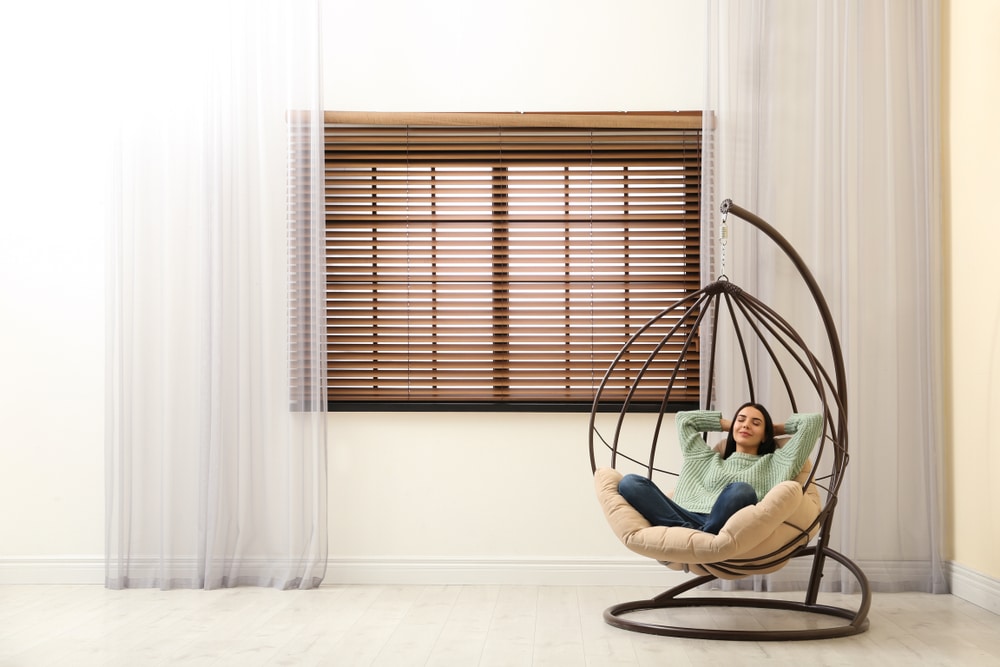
971	172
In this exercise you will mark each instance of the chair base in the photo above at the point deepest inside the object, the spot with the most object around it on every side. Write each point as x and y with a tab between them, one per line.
857	619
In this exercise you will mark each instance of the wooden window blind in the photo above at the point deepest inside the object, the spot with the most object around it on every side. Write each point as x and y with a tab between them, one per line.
503	259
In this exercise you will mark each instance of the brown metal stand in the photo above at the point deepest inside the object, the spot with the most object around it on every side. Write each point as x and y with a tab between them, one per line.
857	619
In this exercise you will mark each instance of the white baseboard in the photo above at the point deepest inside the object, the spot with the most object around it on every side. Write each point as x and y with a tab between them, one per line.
964	583
65	570
974	587
74	570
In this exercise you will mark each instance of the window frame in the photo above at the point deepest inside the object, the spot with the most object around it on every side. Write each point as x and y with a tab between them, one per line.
689	123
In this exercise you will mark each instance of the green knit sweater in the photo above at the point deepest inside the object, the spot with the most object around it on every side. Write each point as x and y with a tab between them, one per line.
705	473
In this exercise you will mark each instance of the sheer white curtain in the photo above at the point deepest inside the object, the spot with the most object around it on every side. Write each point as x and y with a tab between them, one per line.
827	127
215	475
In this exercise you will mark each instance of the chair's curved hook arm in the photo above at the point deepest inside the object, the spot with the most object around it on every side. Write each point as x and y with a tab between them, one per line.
831	330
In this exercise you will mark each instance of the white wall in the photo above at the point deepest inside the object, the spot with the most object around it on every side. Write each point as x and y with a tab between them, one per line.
52	190
413	495
519	55
490	497
392	474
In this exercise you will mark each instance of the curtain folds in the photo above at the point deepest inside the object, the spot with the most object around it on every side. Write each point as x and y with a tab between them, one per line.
827	126
215	476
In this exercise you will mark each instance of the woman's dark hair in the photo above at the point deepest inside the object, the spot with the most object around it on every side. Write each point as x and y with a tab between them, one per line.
767	445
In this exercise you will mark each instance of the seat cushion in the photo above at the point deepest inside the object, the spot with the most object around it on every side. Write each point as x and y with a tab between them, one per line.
757	539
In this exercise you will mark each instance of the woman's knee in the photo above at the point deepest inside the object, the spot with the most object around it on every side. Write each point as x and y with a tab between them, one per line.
741	493
632	485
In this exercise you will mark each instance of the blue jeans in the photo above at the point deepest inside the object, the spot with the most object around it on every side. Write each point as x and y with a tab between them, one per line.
659	510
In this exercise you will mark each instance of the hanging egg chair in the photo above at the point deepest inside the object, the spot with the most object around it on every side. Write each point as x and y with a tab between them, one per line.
792	521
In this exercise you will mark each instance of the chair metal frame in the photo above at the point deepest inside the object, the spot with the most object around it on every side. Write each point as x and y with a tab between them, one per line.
765	324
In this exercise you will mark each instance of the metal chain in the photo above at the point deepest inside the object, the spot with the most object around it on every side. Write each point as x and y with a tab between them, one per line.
723	241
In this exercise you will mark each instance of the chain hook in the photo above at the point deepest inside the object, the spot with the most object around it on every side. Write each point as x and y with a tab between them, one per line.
723	242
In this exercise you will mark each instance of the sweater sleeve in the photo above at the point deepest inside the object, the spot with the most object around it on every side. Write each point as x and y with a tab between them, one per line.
805	430
690	426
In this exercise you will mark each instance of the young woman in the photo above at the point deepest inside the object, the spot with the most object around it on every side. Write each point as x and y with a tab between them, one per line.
712	487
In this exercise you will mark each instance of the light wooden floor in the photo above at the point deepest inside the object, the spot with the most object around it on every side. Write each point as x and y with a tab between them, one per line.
447	626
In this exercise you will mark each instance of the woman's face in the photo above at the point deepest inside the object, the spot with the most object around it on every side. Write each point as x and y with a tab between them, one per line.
748	430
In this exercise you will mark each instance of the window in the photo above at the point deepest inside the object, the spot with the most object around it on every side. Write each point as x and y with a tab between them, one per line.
501	261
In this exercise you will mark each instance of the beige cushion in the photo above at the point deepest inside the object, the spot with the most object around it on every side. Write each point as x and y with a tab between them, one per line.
755	540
